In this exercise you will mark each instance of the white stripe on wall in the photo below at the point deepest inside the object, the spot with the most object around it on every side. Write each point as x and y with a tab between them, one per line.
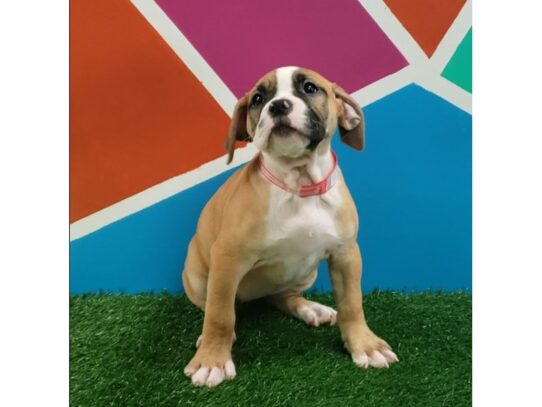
395	31
157	193
447	90
187	53
451	40
385	86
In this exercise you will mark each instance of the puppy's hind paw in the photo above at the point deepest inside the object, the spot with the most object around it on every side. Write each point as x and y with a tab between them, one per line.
315	314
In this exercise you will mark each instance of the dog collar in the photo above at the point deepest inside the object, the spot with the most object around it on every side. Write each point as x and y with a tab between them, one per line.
303	191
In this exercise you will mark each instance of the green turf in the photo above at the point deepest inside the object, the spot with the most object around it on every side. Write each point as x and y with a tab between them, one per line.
131	351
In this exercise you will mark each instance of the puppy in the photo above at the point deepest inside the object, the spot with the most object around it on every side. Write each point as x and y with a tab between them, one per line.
267	228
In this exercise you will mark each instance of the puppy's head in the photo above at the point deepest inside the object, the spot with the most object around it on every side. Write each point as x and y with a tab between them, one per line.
291	111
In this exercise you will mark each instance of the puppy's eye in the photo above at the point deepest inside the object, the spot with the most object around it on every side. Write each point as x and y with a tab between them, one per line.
257	100
310	87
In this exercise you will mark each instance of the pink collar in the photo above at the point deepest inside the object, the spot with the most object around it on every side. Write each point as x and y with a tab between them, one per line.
303	191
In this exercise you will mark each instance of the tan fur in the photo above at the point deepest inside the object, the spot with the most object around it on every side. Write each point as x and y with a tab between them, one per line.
223	257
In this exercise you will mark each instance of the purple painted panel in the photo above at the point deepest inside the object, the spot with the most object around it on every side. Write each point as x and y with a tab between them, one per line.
244	39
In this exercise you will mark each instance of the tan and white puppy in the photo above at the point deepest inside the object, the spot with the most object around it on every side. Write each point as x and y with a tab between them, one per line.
260	235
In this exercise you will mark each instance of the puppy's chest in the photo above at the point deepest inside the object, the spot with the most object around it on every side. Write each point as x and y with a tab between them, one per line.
300	231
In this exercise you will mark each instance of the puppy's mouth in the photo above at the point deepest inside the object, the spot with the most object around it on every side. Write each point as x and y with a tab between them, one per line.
283	128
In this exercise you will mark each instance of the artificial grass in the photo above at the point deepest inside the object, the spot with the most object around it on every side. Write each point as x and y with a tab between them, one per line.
131	351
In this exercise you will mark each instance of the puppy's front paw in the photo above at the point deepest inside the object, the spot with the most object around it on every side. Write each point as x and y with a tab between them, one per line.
210	368
367	349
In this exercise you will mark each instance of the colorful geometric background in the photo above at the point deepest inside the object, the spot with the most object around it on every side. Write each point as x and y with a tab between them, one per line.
152	88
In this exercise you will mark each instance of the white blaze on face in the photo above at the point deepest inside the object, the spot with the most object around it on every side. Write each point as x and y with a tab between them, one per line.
291	145
285	90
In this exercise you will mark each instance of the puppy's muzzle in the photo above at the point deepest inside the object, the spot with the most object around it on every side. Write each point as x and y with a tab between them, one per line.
280	107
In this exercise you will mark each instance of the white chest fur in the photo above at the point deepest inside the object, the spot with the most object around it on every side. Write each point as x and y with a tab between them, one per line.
300	233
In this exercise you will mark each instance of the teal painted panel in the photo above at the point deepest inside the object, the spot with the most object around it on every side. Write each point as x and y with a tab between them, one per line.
459	68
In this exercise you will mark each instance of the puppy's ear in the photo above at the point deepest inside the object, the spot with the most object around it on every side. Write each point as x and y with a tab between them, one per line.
238	127
350	119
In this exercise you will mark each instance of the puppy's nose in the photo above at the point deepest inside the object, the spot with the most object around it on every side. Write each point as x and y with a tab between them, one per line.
280	107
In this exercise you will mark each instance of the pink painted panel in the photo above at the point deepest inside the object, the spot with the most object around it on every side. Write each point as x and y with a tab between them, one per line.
244	39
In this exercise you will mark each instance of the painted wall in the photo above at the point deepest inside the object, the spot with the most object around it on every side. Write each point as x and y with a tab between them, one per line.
153	85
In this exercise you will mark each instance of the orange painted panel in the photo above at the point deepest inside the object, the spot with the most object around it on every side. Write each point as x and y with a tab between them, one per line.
426	20
138	116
